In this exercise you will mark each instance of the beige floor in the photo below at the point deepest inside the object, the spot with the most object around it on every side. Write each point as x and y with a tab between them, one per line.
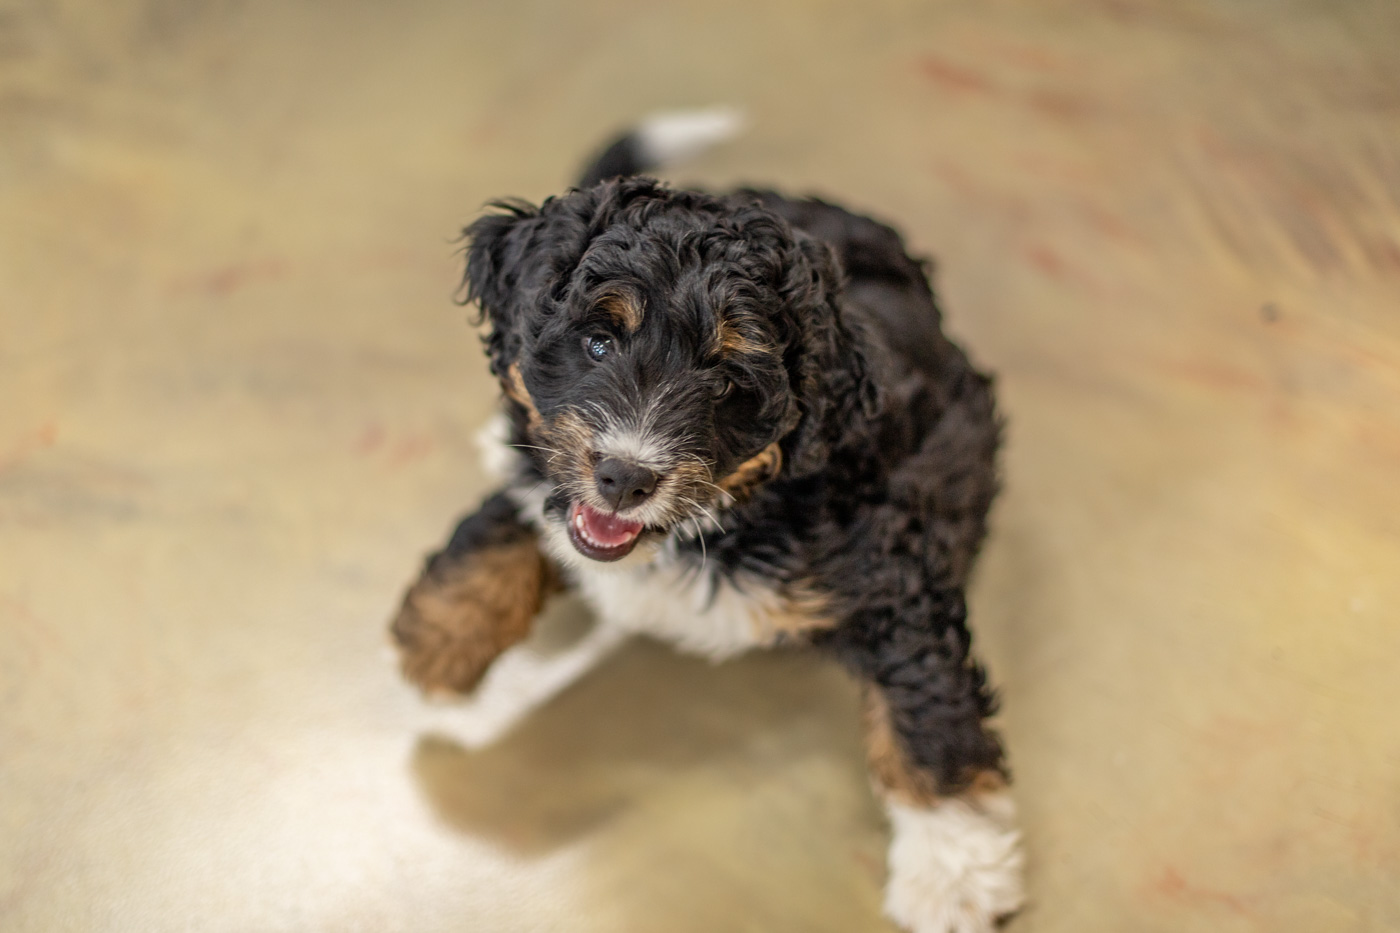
237	404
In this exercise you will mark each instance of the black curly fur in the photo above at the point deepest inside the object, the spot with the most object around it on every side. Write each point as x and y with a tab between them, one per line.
888	433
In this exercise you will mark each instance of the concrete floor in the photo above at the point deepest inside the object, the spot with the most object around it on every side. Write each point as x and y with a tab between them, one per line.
237	405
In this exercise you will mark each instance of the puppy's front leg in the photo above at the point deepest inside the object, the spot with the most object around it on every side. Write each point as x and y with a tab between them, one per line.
474	599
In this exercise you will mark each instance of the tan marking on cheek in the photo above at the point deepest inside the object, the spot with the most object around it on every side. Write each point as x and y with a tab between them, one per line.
895	775
753	472
514	387
460	615
690	477
571	439
624	308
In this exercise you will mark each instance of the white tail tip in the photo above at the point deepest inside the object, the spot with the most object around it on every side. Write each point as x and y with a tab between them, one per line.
674	136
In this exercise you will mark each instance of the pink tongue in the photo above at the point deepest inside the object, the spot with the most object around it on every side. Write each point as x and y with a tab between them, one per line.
608	530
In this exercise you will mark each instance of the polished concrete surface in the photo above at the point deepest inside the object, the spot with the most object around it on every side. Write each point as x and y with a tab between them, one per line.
237	405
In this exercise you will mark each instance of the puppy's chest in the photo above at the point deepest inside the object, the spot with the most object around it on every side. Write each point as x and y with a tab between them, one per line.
717	618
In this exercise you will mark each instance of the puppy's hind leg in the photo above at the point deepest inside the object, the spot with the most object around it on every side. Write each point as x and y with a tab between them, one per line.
955	854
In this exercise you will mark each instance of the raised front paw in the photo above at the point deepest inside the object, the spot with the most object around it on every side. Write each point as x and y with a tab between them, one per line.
955	867
465	610
445	639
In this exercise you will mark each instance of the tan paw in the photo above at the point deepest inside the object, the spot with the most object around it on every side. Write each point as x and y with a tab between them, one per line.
444	645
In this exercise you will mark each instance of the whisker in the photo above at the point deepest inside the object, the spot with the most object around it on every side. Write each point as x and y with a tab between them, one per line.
553	454
719	489
709	516
704	555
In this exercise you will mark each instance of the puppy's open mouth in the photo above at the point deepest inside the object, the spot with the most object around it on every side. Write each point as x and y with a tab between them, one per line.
601	535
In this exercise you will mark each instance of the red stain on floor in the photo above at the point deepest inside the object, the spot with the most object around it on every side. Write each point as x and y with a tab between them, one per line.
953	77
1030	57
226	280
230	279
1052	264
1111	226
1055	103
396	449
1383	254
370	439
1379	439
1059	169
1173	886
1061	105
410	448
45	436
1048	261
953	175
1212	375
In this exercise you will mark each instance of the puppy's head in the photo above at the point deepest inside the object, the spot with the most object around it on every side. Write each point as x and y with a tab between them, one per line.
664	353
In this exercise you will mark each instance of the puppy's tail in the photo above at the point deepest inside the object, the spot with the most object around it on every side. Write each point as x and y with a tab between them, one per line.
663	139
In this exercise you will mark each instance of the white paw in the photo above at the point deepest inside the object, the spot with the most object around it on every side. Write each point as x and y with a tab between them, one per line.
954	867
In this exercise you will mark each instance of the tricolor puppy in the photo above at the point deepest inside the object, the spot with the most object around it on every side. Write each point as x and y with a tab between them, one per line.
733	421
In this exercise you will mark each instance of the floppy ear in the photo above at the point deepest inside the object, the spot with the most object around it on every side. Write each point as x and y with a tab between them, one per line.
520	259
832	374
499	278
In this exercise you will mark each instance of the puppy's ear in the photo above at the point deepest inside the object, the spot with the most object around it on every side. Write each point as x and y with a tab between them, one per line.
519	260
833	374
497	275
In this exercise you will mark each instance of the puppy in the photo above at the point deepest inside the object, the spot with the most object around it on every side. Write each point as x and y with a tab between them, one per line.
733	421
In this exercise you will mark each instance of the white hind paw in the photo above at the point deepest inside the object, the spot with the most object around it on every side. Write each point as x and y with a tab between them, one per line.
955	867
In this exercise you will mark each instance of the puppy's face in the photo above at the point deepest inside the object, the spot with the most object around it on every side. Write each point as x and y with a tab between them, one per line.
651	345
653	383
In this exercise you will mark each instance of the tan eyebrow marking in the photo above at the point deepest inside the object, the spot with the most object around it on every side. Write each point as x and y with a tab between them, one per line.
624	308
733	341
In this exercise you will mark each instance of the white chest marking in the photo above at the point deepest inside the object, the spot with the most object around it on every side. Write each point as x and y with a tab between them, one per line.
714	619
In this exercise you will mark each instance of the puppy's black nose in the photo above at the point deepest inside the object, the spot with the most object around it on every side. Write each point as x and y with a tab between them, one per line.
622	483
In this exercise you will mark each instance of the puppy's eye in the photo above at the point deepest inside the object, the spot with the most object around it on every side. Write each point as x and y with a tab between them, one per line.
726	389
597	346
